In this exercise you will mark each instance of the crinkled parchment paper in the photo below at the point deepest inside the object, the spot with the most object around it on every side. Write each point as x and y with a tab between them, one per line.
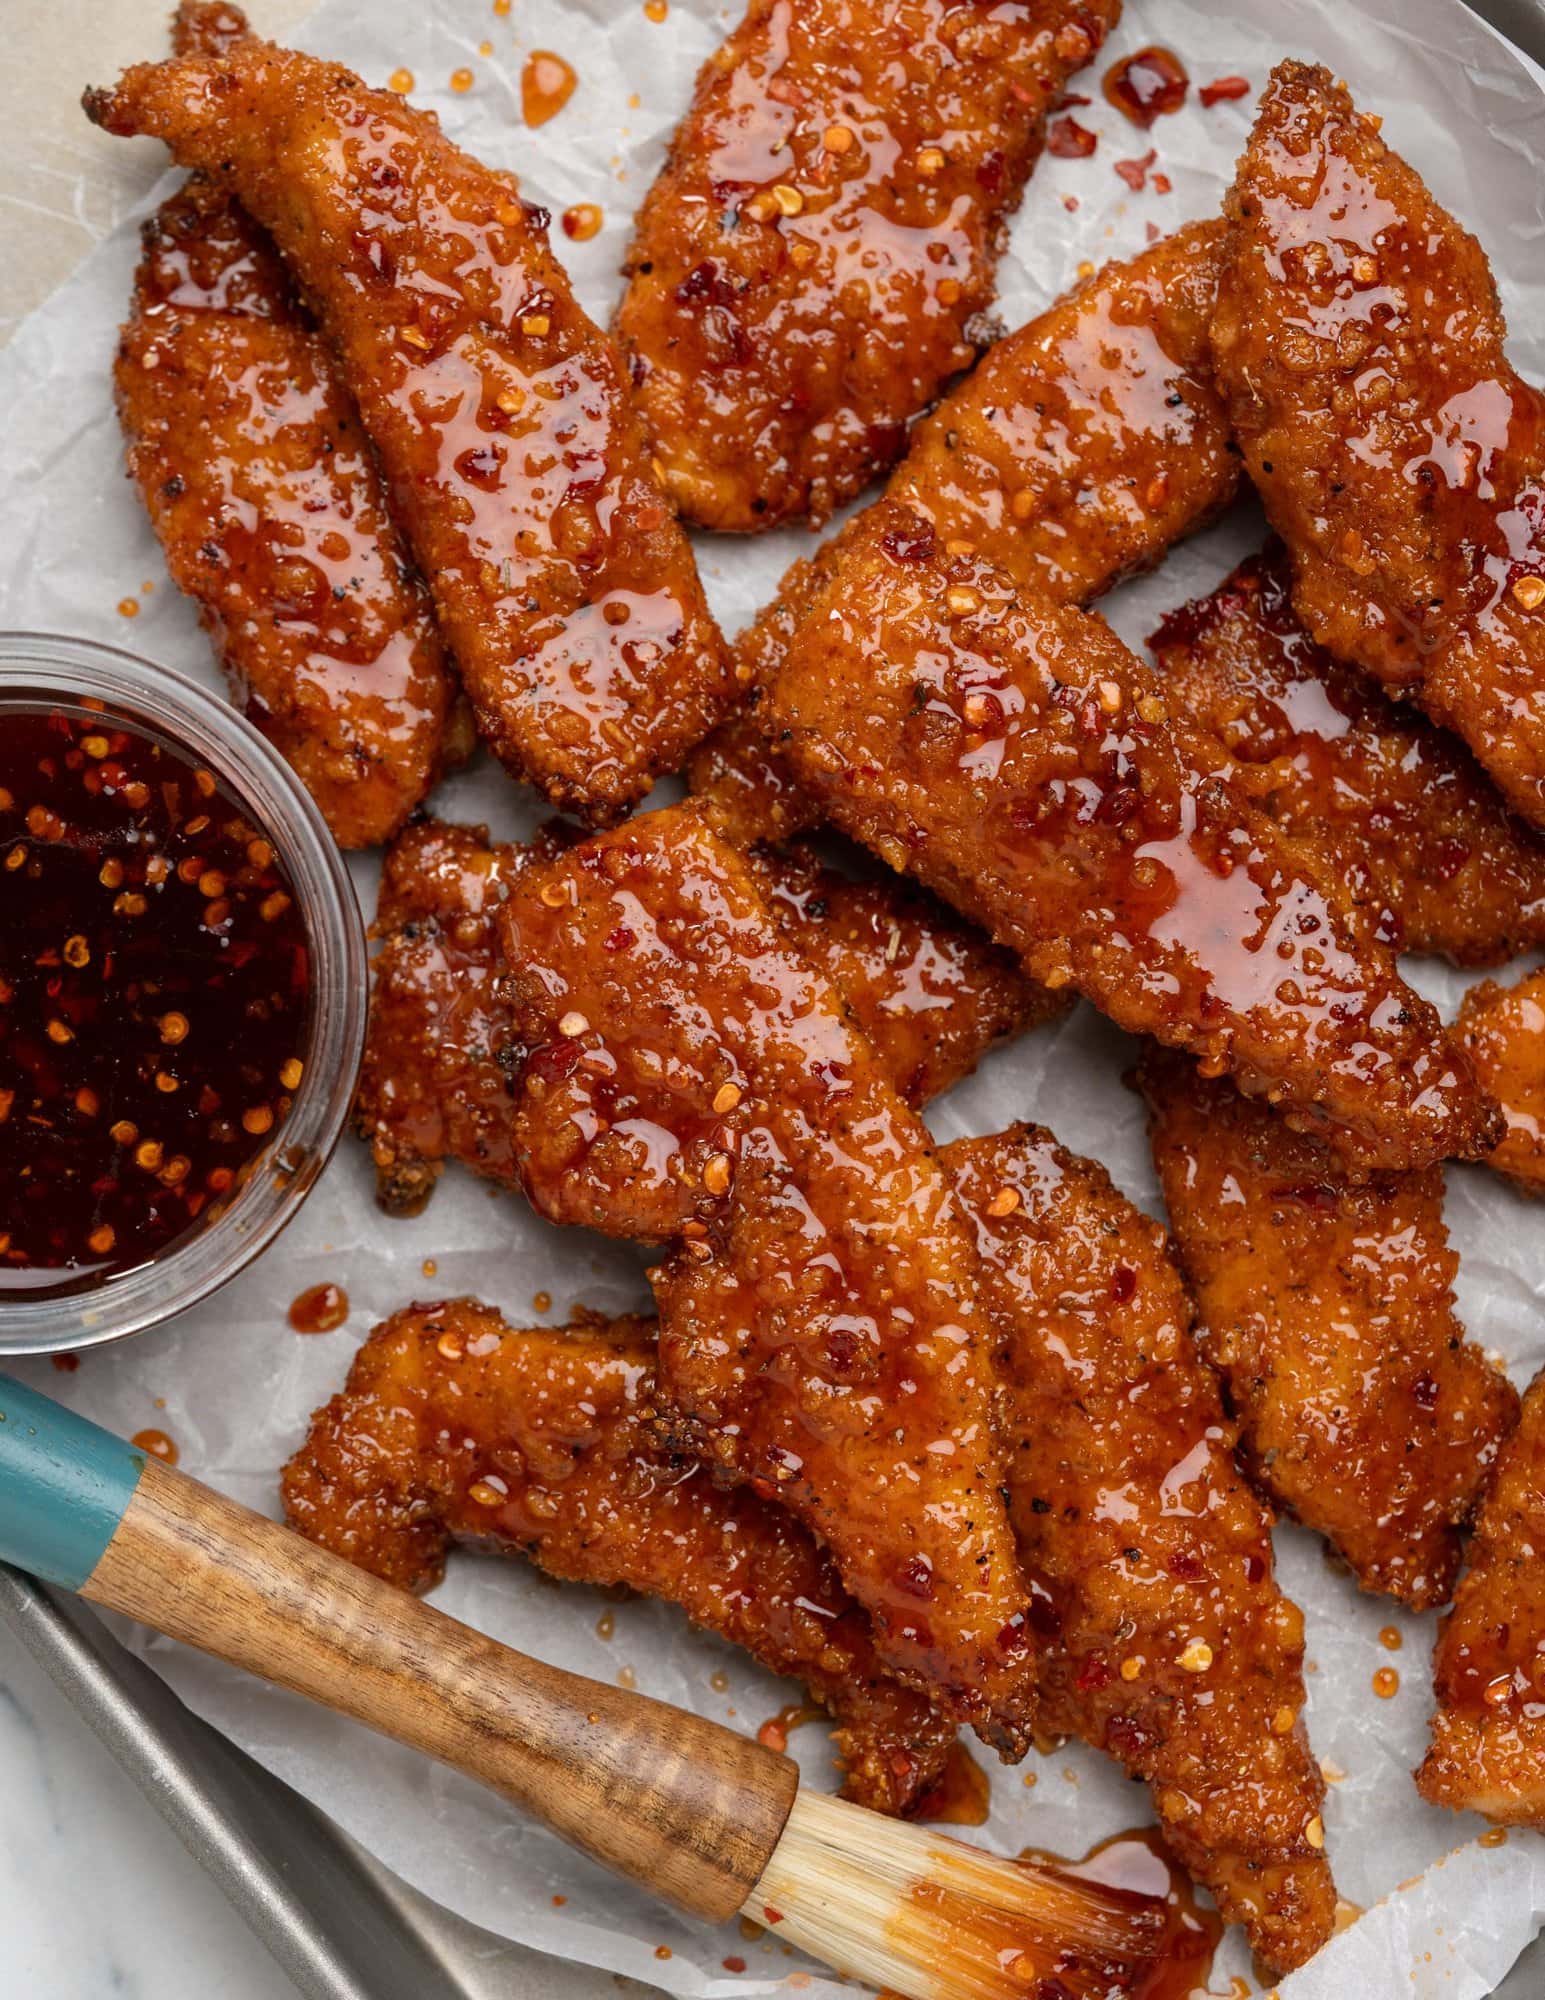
231	1383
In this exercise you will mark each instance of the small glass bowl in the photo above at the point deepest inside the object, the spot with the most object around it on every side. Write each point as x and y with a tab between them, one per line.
209	731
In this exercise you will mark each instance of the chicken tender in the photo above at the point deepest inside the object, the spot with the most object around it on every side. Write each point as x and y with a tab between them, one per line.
1080	449
1502	1028
1488	1735
498	410
1016	759
1163	1636
814	260
1359	342
1420	837
1328	1310
930	992
248	453
689	1079
454	1427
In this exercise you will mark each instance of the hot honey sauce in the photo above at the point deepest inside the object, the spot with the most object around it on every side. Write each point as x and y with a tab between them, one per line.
154	995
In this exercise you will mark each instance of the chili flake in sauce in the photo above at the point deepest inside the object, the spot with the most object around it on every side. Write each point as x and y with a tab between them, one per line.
153	994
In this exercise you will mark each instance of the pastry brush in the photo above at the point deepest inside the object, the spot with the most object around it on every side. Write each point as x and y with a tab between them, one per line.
712	1821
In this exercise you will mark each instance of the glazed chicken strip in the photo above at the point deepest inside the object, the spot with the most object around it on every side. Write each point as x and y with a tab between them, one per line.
1104	1391
247	449
689	1079
814	260
1488	1735
499	412
1162	1635
1503	1031
929	991
1420	836
1079	450
1016	759
1359	343
1327	1308
454	1427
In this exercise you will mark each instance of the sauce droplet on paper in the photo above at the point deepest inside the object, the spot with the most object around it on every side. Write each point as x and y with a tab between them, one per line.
320	1309
546	85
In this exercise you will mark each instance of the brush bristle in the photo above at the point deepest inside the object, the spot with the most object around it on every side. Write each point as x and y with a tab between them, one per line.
920	1914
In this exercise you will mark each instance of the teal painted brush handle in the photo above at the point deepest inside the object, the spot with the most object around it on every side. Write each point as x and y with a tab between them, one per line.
64	1486
686	1807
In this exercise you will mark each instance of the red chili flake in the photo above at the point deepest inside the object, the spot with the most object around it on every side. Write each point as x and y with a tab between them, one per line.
1255	1568
1068	140
1312	1194
1161	184
1123	1283
1135	172
67	1363
1424	1392
1070	203
1152	231
905	545
1093	1675
619	939
915	1577
773	1916
1070	100
734	1964
1222	88
1186	1567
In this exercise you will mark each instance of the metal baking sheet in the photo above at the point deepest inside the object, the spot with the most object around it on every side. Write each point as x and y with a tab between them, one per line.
339	1924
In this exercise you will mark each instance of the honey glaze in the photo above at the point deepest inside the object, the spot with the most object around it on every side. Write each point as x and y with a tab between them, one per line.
1139	1862
156	1444
546	84
962	1796
1146	1941
320	1309
1147	85
153	995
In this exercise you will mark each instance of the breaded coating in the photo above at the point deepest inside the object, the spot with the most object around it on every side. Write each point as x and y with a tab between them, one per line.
1359	343
1080	448
689	1079
499	412
815	257
1502	1029
1328	1310
1420	836
929	991
1488	1735
1164	1638
454	1427
1014	757
247	450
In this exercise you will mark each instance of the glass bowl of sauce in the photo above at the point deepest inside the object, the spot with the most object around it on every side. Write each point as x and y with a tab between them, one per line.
183	992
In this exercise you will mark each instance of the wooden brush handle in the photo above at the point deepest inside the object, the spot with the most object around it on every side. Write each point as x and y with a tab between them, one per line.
684	1806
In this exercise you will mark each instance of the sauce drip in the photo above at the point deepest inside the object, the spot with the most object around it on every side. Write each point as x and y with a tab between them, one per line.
963	1795
774	1733
156	1444
1386	1683
546	85
153	995
1147	85
320	1309
581	222
1138	1861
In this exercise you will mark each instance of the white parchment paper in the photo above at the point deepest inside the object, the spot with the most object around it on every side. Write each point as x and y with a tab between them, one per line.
233	1386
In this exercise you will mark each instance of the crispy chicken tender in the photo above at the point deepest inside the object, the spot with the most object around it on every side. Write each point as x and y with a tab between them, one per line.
1328	1310
1502	1028
498	410
1420	837
1488	1735
1079	449
929	991
814	259
690	1079
1359	343
1015	758
1103	1393
1163	1636
247	450
454	1427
